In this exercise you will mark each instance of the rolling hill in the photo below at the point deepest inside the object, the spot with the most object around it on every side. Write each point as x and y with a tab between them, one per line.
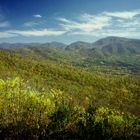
106	52
42	94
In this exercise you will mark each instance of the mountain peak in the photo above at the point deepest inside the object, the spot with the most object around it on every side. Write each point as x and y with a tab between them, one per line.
115	40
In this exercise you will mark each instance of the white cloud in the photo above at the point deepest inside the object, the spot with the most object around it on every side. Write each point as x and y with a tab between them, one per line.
37	16
124	24
85	23
127	32
37	33
6	35
124	14
132	33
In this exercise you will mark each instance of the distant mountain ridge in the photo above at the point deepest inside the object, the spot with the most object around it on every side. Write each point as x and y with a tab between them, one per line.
102	41
119	45
108	45
109	51
22	45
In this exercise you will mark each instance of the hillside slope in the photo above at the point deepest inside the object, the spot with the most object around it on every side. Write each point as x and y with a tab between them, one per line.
40	99
44	75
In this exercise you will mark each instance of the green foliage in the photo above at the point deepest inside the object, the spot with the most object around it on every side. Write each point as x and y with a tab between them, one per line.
28	114
40	99
120	91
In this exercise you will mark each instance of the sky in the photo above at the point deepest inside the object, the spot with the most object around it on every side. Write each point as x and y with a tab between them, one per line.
68	20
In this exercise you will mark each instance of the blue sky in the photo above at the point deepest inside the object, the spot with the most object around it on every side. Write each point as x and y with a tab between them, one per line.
68	20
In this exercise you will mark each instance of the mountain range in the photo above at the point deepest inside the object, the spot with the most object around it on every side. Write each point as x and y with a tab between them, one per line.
109	51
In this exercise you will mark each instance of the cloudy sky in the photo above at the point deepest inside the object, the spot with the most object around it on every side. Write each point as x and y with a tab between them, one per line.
68	20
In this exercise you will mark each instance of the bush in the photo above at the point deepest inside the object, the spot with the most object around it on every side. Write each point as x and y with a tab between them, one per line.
29	114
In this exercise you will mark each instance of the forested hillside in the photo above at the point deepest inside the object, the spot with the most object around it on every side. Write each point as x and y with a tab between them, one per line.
110	52
44	96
